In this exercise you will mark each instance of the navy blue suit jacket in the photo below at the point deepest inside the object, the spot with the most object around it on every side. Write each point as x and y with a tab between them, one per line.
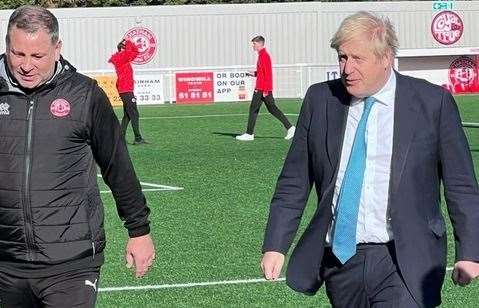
429	147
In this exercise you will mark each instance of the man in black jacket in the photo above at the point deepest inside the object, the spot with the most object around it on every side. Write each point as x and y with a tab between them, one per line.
56	125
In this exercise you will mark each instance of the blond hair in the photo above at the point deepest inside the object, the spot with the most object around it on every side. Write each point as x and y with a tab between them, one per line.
379	30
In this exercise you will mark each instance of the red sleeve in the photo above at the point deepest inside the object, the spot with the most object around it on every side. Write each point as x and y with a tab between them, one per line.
264	72
268	73
125	56
131	50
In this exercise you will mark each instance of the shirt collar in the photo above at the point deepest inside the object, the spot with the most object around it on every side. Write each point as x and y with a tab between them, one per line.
386	95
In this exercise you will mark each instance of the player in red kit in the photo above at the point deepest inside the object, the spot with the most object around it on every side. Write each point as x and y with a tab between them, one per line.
127	52
263	93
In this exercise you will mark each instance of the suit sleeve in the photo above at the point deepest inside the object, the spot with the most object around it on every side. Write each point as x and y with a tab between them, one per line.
292	189
460	185
111	154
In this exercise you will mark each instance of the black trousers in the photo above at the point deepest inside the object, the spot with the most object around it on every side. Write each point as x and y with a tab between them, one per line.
130	113
369	279
71	289
256	102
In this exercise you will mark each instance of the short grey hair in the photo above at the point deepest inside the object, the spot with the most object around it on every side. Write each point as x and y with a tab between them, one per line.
380	31
31	19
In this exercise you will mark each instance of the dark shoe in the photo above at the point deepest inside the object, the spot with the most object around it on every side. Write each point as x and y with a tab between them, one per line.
140	141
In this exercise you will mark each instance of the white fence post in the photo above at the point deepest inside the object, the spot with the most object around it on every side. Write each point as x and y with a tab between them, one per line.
171	75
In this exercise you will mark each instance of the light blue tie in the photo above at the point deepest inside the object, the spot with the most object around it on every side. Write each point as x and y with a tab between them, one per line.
347	208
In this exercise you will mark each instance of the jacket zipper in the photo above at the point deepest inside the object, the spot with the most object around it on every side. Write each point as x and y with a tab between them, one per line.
27	209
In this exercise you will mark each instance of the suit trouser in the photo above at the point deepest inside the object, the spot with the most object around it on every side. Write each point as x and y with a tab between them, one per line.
130	113
71	289
268	100
369	279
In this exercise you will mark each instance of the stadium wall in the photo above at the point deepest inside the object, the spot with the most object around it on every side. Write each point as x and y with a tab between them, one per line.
297	34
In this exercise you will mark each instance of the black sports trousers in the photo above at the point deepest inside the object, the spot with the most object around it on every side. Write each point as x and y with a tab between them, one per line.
268	100
70	289
130	113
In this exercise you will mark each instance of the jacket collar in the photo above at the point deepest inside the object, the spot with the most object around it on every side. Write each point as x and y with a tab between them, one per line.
405	115
405	119
63	71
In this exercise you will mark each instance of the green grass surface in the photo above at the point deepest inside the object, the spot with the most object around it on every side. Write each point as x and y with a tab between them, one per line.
213	229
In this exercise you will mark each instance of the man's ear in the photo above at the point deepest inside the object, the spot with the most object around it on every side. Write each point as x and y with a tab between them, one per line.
390	59
58	50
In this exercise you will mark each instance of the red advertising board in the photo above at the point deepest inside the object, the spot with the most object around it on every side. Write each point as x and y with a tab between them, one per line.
463	75
194	88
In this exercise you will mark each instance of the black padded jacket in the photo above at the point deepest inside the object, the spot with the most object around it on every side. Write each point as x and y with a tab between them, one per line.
51	141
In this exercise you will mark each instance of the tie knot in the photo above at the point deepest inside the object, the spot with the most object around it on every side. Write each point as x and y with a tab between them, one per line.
368	102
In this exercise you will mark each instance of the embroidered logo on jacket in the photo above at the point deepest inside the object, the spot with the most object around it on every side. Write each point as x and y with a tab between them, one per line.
60	108
4	109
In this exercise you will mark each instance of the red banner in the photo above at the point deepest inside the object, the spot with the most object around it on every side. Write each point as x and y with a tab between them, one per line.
463	75
194	88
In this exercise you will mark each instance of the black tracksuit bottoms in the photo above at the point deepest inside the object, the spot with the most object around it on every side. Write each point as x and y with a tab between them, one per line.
77	288
130	113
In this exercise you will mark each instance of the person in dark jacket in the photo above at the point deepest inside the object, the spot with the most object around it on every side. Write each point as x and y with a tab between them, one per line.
263	92
127	52
378	147
56	126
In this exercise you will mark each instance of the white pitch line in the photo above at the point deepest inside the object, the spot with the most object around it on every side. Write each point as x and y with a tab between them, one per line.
186	285
157	187
162	186
146	190
208	116
195	284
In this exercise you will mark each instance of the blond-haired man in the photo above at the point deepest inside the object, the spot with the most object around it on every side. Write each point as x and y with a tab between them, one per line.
376	145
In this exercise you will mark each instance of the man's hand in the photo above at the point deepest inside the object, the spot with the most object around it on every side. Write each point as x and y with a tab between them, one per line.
464	272
271	264
140	253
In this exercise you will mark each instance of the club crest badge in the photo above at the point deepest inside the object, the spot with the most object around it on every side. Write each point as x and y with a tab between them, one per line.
60	108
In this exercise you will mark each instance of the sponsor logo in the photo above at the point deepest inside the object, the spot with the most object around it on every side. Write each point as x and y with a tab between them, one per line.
4	109
91	284
447	27
145	39
463	75
60	108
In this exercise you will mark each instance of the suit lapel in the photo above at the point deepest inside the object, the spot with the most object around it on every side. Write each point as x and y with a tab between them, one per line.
337	112
405	114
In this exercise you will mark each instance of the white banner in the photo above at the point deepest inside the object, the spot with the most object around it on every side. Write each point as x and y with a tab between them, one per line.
149	89
233	86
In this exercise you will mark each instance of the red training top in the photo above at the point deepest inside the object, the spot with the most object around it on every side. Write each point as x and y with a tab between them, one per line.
122	62
264	72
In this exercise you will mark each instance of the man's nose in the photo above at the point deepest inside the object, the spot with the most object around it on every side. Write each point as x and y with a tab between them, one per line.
26	66
348	67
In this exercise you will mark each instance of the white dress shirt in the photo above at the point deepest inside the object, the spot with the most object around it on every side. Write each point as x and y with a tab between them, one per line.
373	218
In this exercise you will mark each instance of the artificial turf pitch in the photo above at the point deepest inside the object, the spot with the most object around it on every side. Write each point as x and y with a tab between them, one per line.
212	230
